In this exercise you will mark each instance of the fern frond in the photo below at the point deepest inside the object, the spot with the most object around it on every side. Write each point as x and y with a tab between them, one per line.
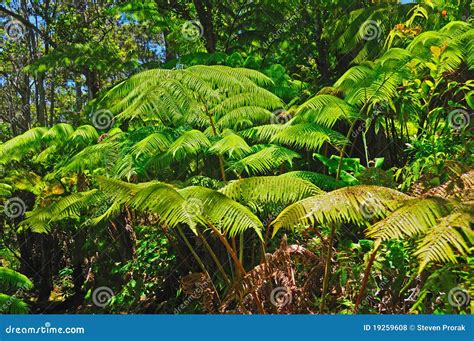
357	204
84	135
151	145
16	148
253	114
270	189
308	136
264	133
325	182
59	132
265	159
13	280
325	110
190	143
232	144
224	213
12	305
414	217
68	207
442	240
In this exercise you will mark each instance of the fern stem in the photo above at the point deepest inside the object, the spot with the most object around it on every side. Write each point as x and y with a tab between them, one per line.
241	248
366	278
366	151
238	264
343	150
190	247
214	257
221	159
327	268
229	249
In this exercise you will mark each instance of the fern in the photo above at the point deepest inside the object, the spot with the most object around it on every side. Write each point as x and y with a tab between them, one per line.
264	159
270	189
323	181
224	213
231	144
442	240
411	219
357	204
13	280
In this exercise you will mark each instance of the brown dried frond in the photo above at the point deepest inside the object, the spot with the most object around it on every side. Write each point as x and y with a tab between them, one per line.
199	286
457	187
284	283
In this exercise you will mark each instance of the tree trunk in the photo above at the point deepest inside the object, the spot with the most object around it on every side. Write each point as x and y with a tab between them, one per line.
204	11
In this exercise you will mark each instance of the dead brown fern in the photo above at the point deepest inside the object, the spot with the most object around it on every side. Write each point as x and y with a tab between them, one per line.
285	283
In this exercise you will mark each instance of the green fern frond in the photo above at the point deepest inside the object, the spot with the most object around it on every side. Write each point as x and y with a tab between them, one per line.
442	240
325	110
325	182
13	280
265	159
68	207
190	143
225	214
269	189
152	197
151	145
92	157
357	204
264	133
254	114
231	144
84	135
12	305
308	136
16	148
5	190
58	133
414	217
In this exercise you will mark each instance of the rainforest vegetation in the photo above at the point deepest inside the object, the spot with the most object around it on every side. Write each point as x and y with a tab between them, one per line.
250	157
